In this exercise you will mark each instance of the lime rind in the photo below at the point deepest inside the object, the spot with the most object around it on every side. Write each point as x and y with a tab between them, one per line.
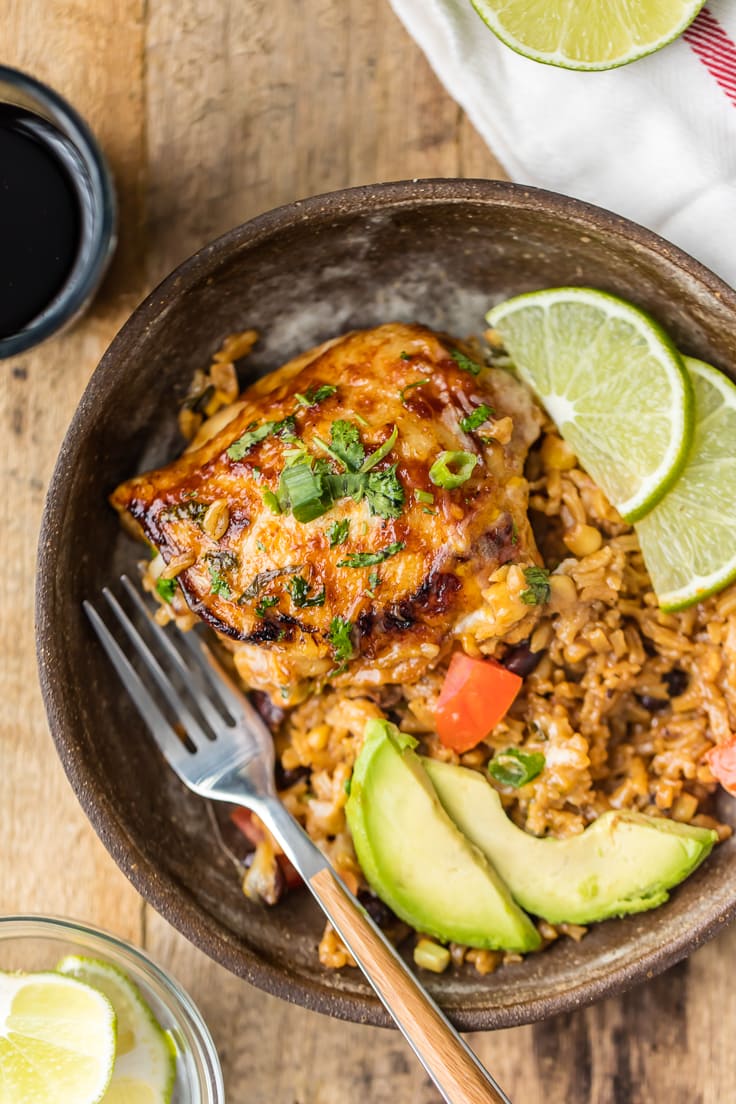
146	1056
682	537
489	13
613	382
43	1043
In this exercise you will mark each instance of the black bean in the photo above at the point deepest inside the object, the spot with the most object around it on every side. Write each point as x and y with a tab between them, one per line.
271	713
380	914
677	682
286	778
520	659
652	704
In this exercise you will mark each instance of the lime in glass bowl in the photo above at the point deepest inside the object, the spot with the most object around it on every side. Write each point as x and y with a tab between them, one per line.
39	943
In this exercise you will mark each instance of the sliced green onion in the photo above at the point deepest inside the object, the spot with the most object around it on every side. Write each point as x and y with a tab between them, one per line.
516	768
424	496
378	455
451	469
409	386
270	500
304	490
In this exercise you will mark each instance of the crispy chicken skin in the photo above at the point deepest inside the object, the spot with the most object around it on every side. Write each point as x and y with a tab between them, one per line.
283	591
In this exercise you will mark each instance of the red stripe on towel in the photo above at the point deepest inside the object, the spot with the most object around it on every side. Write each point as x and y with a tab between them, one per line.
715	49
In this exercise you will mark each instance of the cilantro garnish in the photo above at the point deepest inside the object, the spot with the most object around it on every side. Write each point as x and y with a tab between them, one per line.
266	604
347	445
263	578
472	421
166	588
217	564
404	356
465	362
340	637
338	532
373	580
286	428
368	559
299	589
271	500
538	591
384	493
313	396
515	768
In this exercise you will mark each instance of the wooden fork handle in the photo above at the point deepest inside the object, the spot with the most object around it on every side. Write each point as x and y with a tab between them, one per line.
452	1067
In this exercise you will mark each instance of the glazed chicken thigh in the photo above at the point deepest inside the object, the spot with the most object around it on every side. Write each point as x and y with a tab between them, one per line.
340	521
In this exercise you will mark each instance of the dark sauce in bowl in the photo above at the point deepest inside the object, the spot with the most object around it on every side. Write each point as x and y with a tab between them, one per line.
40	215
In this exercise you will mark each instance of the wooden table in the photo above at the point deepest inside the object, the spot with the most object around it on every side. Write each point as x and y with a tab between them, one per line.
211	111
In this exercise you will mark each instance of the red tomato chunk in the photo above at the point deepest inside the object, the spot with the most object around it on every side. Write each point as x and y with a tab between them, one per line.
475	696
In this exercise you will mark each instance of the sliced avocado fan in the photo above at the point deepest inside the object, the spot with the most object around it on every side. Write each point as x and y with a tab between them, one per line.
623	863
415	858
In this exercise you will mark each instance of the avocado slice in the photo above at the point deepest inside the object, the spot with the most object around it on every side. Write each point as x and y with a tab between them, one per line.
415	858
622	863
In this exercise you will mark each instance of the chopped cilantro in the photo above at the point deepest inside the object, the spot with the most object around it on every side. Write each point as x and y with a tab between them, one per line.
340	637
285	428
373	580
260	546
166	588
263	578
299	589
217	564
480	415
266	604
219	585
368	559
538	591
384	493
347	445
515	768
465	362
191	510
338	532
404	356
313	396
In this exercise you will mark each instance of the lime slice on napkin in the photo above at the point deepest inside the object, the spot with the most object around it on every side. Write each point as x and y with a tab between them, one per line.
57	1040
144	1067
689	538
612	381
598	34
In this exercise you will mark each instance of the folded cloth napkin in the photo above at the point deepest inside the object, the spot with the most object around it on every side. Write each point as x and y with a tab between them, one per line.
654	140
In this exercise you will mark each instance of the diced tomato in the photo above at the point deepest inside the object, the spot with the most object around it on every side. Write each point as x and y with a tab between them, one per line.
475	695
722	762
253	831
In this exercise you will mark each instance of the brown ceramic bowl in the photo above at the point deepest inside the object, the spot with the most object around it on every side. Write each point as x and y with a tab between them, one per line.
437	251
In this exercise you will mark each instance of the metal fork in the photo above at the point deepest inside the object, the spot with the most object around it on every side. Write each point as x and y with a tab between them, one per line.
228	755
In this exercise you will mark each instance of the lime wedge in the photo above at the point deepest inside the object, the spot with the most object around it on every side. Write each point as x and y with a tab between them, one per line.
57	1040
599	34
612	381
144	1067
689	538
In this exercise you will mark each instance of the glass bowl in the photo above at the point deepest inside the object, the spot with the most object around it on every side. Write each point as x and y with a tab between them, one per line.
30	943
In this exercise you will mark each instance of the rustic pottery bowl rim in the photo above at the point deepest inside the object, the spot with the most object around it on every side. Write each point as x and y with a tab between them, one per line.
161	890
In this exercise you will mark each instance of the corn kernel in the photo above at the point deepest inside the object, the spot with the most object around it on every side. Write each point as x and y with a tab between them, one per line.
556	454
431	956
563	593
583	540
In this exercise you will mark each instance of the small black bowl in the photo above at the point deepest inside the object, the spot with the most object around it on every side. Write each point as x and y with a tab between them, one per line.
95	194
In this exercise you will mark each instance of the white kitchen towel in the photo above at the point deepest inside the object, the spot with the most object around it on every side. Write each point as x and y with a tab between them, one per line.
654	141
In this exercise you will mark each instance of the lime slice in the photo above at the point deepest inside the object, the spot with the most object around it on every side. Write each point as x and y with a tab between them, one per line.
599	34
57	1040
689	538
611	380
144	1068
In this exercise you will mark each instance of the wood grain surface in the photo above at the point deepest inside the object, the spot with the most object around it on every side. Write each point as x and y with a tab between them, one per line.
211	111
